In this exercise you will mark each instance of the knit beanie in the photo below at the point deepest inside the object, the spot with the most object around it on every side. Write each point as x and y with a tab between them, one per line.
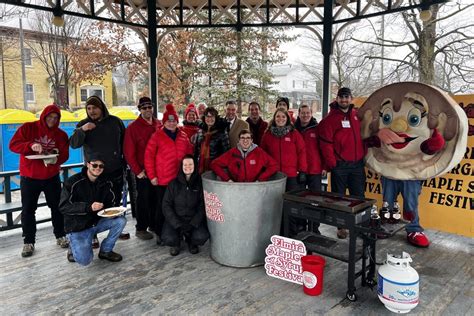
191	108
144	101
170	114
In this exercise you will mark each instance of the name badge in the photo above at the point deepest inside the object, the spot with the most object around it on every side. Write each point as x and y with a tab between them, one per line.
312	135
287	139
346	124
253	162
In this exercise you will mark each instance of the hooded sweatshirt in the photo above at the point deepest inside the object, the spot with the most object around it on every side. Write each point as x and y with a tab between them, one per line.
53	140
106	138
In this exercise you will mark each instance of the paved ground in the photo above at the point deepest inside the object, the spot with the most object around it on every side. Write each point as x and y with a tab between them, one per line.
150	281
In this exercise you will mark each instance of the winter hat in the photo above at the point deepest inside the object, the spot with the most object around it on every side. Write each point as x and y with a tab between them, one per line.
95	100
283	99
344	91
191	108
95	156
144	101
170	114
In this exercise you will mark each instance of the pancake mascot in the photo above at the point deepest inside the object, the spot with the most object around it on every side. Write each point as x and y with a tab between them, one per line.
414	132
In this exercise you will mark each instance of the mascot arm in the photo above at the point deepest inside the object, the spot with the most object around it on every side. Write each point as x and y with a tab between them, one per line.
372	141
434	144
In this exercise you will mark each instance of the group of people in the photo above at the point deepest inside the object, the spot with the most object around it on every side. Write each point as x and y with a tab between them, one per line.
167	161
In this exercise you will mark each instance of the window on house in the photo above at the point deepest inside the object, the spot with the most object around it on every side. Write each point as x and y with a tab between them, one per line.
294	83
87	92
30	93
27	56
305	84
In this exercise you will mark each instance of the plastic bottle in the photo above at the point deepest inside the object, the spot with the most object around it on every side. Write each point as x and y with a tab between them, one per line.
395	213
384	213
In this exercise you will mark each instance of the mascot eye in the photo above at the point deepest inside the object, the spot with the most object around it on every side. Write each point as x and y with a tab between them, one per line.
387	116
414	117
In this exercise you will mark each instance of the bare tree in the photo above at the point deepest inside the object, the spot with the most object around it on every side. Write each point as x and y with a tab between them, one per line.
50	48
437	51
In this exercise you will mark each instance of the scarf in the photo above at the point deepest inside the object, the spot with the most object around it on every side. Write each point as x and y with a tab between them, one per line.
280	131
205	154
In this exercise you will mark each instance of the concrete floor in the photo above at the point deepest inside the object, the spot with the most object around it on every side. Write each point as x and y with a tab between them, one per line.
150	281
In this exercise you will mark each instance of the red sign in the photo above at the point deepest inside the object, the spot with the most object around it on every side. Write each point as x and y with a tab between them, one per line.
283	259
213	207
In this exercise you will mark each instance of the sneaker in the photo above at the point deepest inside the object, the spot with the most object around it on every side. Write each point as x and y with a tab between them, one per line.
418	239
193	249
143	235
28	250
62	242
110	256
70	256
174	251
95	243
342	233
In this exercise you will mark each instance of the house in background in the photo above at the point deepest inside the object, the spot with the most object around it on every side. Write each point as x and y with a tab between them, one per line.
39	90
295	83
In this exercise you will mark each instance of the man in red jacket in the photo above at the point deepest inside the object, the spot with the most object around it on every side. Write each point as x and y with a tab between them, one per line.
245	163
33	140
137	135
342	148
164	152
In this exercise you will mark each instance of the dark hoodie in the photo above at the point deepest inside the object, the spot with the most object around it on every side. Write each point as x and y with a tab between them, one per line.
106	138
51	139
77	197
183	202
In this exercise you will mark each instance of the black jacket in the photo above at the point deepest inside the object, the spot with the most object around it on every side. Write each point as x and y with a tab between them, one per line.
183	202
219	143
77	197
106	139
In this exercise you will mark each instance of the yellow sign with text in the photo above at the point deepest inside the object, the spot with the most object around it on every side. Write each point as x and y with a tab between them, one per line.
447	202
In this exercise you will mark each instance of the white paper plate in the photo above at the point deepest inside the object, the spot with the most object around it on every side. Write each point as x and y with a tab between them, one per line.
113	211
35	157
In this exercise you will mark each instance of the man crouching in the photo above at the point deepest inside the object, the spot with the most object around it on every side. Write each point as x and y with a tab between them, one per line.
83	196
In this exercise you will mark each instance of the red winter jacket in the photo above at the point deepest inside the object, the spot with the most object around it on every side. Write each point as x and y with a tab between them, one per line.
163	155
289	152
190	129
257	165
49	138
137	135
310	136
340	138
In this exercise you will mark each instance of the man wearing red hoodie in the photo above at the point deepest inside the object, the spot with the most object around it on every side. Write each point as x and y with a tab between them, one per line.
43	137
342	148
137	135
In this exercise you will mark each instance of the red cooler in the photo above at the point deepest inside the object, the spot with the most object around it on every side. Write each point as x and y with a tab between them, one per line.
313	272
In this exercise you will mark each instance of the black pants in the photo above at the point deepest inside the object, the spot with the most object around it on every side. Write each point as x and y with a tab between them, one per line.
313	182
296	225
117	181
172	237
349	175
159	217
132	191
30	192
146	204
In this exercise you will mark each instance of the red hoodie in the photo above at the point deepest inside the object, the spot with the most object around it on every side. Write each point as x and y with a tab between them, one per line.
137	135
50	138
339	135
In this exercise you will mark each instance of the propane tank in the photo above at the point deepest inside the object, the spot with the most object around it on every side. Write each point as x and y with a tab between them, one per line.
398	284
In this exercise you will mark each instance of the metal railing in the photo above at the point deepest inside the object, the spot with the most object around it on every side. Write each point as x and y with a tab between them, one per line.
8	207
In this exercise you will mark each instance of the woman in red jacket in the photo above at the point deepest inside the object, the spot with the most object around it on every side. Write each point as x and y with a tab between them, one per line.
286	145
164	152
245	163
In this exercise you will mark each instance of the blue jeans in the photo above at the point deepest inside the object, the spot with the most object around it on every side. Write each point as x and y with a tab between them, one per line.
410	190
81	242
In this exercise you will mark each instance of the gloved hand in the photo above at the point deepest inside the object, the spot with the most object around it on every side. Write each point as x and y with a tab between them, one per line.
301	178
433	144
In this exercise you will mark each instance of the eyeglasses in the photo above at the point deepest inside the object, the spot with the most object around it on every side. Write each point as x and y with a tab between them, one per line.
146	107
97	165
245	138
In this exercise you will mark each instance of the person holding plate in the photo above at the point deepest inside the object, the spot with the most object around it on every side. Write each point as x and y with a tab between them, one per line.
84	195
43	147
